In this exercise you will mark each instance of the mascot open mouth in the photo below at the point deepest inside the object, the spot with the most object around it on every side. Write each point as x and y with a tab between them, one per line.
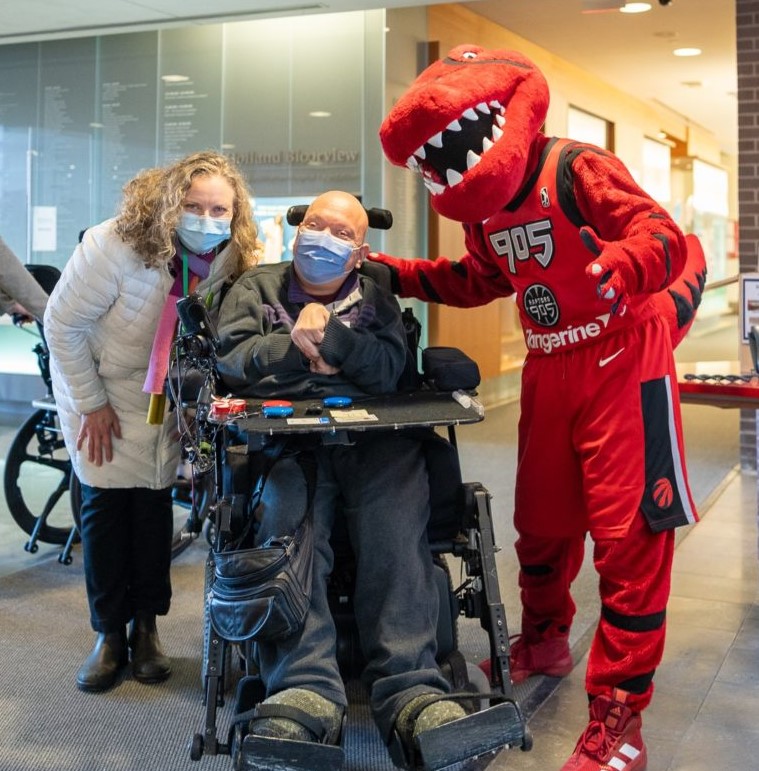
466	125
447	155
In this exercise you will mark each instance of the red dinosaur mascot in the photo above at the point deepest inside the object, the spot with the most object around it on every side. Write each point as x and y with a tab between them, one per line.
605	283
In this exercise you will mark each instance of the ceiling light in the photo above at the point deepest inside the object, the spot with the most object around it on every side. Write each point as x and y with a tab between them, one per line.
635	7
687	52
320	114
601	6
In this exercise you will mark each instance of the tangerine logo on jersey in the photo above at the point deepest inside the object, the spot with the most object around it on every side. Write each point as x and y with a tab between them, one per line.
563	338
662	493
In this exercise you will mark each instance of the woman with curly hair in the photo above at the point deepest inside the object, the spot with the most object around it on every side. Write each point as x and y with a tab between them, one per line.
186	227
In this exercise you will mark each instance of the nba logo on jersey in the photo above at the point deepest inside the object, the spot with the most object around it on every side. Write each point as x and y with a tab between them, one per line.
544	200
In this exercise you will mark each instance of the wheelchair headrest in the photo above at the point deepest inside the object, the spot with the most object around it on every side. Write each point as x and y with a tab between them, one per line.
378	272
46	276
380	219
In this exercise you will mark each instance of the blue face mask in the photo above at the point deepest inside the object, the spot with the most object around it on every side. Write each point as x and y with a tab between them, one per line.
201	234
320	257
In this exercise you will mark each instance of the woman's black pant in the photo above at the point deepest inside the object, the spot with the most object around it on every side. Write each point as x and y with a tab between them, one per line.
126	545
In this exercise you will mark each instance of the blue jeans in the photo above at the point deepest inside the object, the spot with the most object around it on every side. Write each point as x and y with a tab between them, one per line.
380	486
126	546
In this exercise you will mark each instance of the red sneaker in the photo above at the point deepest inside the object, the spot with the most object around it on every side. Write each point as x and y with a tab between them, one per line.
546	657
612	740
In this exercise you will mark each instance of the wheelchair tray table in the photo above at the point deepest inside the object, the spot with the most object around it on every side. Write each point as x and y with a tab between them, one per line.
423	408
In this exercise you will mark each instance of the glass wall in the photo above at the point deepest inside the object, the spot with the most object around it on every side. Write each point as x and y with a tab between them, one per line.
287	98
297	102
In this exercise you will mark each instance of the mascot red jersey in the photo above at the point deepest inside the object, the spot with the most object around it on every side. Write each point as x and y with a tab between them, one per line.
606	284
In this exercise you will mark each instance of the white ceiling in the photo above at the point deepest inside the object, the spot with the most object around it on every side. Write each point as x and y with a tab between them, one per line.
633	52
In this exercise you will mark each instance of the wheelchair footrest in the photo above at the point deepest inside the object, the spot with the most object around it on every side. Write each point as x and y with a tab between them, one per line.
263	753
471	738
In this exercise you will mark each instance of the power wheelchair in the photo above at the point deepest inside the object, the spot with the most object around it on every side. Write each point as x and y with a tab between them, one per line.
235	447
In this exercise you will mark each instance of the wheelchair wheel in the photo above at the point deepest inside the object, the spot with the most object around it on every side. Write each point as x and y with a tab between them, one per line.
37	477
191	509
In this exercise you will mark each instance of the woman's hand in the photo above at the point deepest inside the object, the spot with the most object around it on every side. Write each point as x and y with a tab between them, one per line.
96	428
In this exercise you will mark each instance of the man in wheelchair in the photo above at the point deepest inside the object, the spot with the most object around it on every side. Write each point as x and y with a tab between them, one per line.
310	329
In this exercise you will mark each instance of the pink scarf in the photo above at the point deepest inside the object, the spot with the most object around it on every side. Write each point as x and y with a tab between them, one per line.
158	367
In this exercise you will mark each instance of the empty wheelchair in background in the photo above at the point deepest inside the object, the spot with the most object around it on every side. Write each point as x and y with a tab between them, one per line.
460	534
41	490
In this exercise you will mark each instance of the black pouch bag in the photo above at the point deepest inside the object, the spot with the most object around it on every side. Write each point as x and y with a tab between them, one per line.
264	592
449	369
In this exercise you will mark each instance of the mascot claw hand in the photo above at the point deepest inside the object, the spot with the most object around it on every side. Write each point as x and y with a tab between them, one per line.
613	271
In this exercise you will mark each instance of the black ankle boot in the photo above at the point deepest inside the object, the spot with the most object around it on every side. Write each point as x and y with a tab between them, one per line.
149	664
101	668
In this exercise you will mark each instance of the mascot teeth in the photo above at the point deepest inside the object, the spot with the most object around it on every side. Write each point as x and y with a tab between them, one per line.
434	187
472	159
447	155
437	140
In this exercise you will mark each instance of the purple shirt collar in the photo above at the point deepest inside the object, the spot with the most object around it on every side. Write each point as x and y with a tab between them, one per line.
297	294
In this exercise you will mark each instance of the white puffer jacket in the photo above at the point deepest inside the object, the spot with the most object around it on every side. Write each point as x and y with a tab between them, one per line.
100	324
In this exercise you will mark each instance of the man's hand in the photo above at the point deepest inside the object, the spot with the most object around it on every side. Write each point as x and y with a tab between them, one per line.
20	314
320	367
308	331
96	429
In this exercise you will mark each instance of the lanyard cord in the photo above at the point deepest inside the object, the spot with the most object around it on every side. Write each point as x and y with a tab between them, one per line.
185	274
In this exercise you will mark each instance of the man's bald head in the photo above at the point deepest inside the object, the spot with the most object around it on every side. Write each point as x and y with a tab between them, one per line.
340	211
342	216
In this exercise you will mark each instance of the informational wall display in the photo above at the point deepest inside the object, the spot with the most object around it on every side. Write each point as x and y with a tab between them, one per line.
44	228
124	129
80	117
749	303
19	65
313	98
63	149
274	232
190	69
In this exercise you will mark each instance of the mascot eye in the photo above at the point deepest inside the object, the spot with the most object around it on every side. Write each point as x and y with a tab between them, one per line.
469	55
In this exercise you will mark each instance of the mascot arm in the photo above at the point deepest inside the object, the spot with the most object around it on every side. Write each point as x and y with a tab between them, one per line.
636	246
464	283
